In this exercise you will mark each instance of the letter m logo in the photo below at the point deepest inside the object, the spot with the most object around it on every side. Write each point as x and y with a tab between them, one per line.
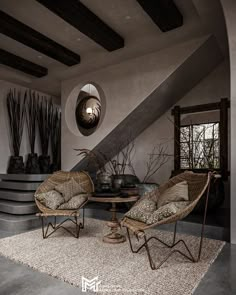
90	284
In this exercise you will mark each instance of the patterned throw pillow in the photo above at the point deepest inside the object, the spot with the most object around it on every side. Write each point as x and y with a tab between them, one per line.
142	211
176	193
75	202
69	189
167	211
51	199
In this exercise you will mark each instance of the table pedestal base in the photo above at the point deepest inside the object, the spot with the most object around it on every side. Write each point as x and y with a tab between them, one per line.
114	237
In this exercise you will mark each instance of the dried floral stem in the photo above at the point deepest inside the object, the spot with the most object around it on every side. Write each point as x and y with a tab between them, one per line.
16	114
45	114
156	160
56	136
31	118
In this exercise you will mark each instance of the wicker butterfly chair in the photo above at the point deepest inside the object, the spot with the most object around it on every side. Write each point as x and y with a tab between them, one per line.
198	184
49	184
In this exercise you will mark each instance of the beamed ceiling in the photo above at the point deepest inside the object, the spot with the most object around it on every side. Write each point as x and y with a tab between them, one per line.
45	41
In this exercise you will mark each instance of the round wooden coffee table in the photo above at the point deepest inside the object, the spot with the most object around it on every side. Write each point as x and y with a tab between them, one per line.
114	237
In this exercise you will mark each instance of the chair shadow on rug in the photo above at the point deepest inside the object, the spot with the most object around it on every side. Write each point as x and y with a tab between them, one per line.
198	185
73	215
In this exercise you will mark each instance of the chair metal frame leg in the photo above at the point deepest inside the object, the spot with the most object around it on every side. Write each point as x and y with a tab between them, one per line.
188	256
54	226
83	214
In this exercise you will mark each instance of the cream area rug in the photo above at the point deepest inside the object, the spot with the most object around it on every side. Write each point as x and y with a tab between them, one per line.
90	263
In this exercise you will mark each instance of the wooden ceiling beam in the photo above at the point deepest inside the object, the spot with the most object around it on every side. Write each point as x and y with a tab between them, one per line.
80	17
164	13
21	64
22	33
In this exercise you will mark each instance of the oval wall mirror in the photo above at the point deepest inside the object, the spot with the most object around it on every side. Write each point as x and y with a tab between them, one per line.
88	109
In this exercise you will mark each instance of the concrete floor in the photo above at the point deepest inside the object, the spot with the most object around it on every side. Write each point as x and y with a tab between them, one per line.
17	279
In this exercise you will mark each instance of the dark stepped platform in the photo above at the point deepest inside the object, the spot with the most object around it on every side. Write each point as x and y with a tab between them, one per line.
17	223
17	206
17	185
15	195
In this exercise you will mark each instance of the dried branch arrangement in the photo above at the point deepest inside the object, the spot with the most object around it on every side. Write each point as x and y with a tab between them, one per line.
95	159
123	161
56	139
16	106
102	163
31	118
45	115
156	159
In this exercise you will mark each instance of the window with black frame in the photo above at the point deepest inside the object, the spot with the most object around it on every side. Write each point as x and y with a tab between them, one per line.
201	137
200	146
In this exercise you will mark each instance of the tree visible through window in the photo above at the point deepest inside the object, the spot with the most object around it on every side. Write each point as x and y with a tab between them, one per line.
200	146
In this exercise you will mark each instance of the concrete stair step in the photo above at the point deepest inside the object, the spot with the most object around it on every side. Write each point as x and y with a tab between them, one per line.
18	208
14	223
19	196
24	177
19	185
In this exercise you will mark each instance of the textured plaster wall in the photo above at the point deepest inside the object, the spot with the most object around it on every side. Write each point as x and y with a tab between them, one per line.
229	8
5	149
211	89
124	87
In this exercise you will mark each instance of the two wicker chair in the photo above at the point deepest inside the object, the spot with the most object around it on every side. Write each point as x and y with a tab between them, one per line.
72	215
198	185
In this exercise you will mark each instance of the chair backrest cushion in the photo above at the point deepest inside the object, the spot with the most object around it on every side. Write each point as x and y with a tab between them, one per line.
51	199
69	189
75	202
167	211
176	193
196	183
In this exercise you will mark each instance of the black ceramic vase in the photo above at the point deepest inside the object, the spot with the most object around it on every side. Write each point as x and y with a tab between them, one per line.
44	164
32	164
16	165
126	180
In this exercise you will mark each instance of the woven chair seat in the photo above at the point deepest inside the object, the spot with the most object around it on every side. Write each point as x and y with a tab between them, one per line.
57	178
197	185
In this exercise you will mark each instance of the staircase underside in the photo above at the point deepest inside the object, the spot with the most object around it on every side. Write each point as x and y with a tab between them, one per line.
196	67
